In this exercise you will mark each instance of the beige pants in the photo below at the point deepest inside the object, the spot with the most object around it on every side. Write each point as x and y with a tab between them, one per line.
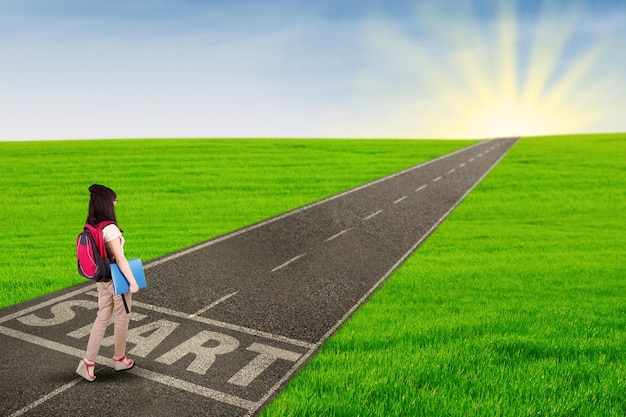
108	303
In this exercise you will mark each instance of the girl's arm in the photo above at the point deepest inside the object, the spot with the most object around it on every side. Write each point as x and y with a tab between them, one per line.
114	247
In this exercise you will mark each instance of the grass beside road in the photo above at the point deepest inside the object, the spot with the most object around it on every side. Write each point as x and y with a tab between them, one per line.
515	306
172	193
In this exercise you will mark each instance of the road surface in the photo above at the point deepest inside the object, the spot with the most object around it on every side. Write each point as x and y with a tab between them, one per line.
223	325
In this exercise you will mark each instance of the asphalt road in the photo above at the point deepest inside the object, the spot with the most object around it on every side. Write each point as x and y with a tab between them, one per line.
223	325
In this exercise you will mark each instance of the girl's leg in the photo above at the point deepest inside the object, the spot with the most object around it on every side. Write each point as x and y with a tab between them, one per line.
105	308
121	326
86	366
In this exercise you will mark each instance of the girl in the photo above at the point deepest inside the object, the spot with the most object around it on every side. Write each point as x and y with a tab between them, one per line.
102	208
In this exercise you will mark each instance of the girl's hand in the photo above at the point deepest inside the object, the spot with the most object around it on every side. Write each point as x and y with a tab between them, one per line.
134	288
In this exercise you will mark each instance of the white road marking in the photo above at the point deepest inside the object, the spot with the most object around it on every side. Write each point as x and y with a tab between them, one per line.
421	188
213	304
337	234
196	389
373	214
437	179
480	154
462	165
450	172
154	376
46	397
471	159
268	354
46	303
400	199
224	325
295	258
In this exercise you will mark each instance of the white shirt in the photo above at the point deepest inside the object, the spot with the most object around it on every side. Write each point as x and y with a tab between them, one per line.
111	232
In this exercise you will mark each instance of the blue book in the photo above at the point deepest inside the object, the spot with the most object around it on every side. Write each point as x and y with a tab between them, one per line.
119	280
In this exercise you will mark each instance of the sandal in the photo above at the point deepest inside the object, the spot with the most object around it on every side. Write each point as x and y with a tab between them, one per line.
123	364
83	370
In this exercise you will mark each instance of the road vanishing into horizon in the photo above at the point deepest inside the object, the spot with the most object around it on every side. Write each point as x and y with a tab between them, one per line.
224	325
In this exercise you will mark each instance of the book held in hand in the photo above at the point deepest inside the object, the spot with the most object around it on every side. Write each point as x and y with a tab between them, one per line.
119	280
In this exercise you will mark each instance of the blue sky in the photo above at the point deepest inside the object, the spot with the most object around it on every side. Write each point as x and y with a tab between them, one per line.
293	68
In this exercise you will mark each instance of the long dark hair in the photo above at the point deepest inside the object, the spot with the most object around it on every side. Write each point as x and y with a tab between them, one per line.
101	204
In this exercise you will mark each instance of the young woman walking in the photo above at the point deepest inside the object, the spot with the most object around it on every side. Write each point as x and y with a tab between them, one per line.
102	208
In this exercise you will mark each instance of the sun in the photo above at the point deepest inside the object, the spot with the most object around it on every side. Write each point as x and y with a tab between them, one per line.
506	120
466	77
518	100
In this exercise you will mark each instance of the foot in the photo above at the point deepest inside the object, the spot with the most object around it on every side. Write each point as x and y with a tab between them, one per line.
86	370
123	363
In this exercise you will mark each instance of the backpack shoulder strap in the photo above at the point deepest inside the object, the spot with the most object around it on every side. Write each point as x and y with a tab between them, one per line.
96	232
105	223
101	227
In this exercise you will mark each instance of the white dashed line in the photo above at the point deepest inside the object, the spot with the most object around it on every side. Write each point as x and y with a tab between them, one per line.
399	200
471	159
295	258
480	154
437	179
421	188
462	165
373	214
450	172
213	304
203	245
337	235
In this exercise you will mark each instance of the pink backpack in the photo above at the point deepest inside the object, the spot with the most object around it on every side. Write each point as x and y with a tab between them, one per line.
93	262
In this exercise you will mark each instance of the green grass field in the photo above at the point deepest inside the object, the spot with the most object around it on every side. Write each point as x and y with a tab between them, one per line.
515	306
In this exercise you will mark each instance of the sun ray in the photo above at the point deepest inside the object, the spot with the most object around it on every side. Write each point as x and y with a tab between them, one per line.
566	84
546	50
506	37
473	79
478	73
